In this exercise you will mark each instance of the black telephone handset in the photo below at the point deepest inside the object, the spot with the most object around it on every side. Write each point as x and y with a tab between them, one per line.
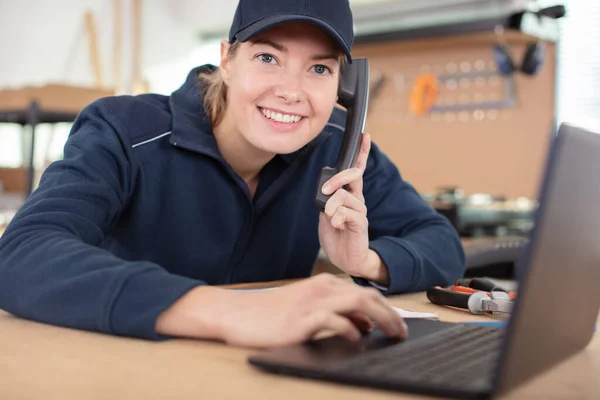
353	95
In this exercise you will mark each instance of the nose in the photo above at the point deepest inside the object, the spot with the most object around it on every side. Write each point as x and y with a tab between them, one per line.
290	88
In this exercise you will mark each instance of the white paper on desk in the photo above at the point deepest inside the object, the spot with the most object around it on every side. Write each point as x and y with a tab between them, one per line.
414	314
403	313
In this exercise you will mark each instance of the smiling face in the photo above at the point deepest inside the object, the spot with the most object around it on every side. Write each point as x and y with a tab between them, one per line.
282	87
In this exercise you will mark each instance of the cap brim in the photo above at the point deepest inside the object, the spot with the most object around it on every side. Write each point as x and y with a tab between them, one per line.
274	20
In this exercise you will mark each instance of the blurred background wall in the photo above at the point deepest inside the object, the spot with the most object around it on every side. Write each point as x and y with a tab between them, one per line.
137	46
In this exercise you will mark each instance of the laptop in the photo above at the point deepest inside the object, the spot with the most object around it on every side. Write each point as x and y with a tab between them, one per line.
552	319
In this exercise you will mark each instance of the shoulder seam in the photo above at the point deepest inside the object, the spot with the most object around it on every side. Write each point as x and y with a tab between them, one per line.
335	126
151	139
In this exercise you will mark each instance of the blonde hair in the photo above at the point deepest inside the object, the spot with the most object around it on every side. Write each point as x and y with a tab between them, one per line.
215	89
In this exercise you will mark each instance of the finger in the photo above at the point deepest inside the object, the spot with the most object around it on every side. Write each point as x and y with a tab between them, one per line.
363	324
363	155
394	315
326	320
351	176
345	217
336	287
365	301
345	177
356	186
343	198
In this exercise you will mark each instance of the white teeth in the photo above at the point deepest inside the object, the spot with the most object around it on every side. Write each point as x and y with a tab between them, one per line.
285	118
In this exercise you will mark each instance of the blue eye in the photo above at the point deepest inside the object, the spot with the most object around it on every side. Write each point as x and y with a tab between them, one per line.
321	69
266	58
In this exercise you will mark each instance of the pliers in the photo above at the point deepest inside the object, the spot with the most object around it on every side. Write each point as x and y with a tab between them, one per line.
477	295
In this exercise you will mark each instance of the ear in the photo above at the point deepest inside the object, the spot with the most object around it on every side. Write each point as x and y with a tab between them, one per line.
224	66
225	45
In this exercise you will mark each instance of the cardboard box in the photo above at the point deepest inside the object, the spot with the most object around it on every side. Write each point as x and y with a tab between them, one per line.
13	179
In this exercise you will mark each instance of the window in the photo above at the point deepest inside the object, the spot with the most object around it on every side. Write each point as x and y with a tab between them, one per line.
578	73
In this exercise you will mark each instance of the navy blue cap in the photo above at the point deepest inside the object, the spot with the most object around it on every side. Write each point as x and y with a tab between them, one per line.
255	16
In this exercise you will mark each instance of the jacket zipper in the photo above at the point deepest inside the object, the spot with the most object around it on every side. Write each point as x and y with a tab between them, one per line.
242	244
269	196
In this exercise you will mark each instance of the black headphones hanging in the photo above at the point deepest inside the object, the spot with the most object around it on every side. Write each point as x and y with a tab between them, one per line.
533	58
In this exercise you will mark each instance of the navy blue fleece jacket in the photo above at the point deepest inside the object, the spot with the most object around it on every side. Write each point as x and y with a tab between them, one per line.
142	208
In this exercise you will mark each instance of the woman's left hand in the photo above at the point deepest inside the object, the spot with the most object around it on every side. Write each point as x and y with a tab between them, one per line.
343	227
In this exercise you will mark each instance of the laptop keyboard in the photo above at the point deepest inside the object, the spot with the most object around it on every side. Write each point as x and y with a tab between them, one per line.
459	356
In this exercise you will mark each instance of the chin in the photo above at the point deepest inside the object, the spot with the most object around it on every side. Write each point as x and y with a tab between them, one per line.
277	142
279	145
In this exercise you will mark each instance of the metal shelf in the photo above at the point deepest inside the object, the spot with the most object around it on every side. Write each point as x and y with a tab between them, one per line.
33	116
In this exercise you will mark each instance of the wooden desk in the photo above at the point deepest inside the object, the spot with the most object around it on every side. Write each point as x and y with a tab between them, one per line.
39	361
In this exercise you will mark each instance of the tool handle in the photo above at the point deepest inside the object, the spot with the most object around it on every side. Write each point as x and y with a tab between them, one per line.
445	297
469	290
479	284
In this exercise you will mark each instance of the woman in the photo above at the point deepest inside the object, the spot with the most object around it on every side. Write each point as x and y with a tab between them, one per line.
158	199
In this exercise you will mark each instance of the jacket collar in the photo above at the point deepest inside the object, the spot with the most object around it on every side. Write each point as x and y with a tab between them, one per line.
191	126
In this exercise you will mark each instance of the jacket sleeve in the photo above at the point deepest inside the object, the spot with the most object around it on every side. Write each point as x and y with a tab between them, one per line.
419	246
51	268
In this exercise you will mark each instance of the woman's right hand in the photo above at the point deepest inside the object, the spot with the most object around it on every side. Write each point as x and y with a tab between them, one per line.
288	315
296	312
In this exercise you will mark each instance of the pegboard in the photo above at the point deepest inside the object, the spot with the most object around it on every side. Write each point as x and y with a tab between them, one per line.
485	133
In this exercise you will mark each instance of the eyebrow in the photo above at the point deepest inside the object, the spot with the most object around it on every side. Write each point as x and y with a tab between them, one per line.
283	49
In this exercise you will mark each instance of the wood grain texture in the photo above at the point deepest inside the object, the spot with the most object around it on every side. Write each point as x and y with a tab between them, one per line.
43	361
